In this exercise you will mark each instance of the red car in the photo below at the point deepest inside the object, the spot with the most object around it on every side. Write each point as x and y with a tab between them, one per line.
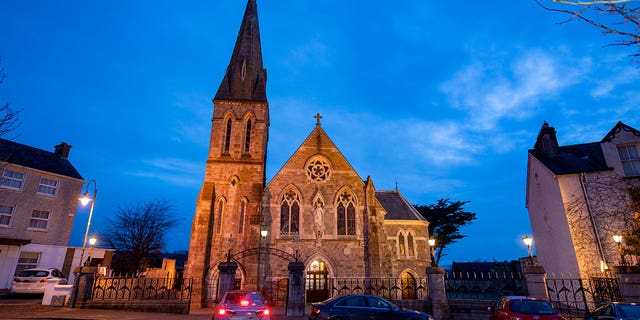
523	308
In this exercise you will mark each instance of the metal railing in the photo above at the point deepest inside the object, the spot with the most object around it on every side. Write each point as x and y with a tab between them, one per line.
484	285
140	288
389	288
575	297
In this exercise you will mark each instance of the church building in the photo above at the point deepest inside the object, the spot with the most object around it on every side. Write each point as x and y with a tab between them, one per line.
316	210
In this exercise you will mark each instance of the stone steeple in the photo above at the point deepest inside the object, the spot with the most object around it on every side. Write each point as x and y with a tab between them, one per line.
245	78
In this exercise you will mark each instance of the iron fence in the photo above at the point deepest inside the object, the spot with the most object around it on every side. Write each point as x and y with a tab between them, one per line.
484	285
140	288
575	297
389	288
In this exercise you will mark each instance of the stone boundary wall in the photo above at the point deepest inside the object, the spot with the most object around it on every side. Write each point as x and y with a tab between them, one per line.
164	306
470	309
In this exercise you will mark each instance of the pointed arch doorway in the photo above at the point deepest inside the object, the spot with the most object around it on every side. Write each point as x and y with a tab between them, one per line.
317	281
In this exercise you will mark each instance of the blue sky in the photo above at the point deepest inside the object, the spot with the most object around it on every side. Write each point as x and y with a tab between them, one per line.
443	97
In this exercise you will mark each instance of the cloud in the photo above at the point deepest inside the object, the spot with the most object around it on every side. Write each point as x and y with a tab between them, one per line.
175	171
190	126
492	91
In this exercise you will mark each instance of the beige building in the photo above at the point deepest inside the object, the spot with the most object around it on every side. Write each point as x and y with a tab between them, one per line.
577	196
38	200
316	209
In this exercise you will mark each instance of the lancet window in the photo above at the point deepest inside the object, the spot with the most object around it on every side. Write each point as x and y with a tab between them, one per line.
290	213
346	215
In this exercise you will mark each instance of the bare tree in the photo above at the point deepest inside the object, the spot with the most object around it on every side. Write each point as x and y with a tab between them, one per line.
9	119
620	18
138	233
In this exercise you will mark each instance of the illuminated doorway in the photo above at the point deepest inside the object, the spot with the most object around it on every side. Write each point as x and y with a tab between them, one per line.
317	284
408	286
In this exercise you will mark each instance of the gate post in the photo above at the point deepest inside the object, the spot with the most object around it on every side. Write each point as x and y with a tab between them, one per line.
83	284
438	294
535	280
629	282
295	294
227	279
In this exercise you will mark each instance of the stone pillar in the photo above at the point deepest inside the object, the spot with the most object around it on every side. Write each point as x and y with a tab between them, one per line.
438	294
83	284
295	297
227	280
536	281
629	282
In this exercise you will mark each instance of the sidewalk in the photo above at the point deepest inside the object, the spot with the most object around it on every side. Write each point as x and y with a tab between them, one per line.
11	310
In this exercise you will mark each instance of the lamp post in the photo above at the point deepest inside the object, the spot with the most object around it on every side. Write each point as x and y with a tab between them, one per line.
528	241
618	239
432	243
92	242
84	200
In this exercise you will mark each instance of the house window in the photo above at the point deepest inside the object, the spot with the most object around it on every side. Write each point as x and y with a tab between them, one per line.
243	206
218	221
39	220
6	213
48	186
290	213
12	179
630	159
346	215
247	137
27	260
411	252
401	247
227	137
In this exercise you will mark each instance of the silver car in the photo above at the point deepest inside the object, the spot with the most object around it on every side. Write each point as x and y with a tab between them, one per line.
241	304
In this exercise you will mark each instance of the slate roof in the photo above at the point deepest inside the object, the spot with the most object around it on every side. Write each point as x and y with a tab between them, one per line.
396	206
246	78
26	156
586	157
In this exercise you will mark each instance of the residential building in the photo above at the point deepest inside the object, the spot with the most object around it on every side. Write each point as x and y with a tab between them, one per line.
317	208
38	199
578	198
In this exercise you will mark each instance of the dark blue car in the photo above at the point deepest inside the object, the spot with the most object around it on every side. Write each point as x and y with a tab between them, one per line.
362	307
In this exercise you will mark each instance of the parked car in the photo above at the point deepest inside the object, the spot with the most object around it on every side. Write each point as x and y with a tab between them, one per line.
523	308
615	311
361	306
34	280
241	304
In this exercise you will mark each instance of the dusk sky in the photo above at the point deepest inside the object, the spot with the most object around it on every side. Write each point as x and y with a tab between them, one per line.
442	97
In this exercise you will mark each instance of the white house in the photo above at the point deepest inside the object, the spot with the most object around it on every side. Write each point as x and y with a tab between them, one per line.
577	197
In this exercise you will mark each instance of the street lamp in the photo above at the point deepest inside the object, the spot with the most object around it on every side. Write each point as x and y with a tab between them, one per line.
84	200
528	241
92	242
618	239
432	243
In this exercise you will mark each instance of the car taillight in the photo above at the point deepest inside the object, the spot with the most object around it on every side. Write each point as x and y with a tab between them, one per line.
314	310
244	303
264	312
43	280
224	311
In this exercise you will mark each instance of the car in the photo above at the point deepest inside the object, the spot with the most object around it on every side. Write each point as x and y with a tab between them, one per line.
362	306
523	308
242	304
615	311
33	281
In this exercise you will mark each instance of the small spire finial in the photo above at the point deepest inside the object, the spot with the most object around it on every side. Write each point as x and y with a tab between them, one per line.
318	117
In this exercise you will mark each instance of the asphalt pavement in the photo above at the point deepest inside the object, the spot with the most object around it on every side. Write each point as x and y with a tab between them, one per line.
31	308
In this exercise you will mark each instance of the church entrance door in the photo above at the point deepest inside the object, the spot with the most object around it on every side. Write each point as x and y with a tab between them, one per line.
317	284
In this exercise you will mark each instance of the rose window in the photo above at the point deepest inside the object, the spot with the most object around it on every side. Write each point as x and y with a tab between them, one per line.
318	170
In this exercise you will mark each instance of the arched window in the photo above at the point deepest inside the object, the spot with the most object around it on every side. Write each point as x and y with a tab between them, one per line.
227	137
247	137
401	248
218	217
289	213
411	252
243	207
346	215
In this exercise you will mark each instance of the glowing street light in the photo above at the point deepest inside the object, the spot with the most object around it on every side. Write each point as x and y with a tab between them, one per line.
92	242
618	239
528	241
84	200
432	243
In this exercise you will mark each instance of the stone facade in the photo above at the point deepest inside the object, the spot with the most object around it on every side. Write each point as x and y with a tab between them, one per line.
316	210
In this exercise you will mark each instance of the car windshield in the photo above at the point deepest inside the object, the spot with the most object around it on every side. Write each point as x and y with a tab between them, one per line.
630	310
34	273
237	298
531	307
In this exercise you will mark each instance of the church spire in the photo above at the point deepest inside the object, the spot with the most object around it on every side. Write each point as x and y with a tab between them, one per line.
246	78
